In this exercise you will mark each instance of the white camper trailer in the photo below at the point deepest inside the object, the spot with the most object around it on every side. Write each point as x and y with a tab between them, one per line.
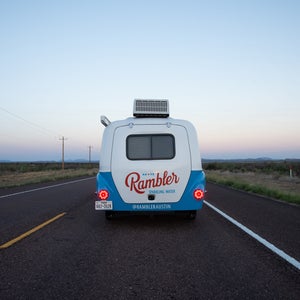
150	162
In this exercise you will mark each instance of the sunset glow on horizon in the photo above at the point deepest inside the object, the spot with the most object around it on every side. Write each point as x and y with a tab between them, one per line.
231	68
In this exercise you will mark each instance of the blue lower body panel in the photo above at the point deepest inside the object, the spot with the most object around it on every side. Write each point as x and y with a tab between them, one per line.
186	203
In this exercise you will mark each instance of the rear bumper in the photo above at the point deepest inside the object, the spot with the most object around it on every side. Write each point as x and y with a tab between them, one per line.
186	203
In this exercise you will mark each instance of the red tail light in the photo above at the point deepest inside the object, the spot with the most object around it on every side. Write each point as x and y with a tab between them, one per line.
103	194
198	194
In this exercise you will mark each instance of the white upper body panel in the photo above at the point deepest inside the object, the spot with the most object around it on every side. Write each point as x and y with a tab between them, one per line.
136	179
147	125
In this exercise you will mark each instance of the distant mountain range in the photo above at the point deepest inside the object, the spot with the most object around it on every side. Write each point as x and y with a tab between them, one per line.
259	159
204	160
51	161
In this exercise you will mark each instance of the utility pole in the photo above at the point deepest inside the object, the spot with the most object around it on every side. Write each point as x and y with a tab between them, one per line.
90	154
63	139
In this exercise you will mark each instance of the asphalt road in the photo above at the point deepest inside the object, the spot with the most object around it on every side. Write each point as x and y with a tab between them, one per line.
83	256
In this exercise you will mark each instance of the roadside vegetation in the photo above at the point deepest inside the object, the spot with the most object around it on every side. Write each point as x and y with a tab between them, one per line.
275	179
18	174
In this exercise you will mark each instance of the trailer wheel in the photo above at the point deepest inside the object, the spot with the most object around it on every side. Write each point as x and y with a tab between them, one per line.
109	215
191	215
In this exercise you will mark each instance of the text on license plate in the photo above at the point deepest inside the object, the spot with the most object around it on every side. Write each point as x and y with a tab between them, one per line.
103	205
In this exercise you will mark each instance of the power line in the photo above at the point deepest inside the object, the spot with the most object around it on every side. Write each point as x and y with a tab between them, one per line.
45	130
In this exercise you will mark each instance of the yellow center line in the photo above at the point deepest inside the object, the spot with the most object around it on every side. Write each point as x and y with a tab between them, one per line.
24	235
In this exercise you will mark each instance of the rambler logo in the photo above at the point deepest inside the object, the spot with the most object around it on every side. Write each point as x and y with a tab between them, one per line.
135	183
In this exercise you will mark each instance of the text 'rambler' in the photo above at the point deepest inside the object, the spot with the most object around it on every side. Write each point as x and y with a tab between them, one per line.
134	182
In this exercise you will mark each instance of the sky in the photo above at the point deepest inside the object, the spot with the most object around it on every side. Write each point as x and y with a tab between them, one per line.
231	67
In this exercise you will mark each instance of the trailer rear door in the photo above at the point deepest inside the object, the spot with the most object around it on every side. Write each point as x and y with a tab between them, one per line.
151	163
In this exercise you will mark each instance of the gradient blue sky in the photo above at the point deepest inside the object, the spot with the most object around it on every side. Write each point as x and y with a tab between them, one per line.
231	67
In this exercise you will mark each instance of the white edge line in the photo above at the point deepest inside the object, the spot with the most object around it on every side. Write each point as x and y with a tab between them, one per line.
45	187
261	240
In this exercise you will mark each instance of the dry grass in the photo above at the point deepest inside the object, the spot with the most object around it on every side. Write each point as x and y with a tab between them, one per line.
280	185
11	179
274	181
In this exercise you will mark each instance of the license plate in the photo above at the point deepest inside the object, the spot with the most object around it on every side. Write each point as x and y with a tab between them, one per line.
103	205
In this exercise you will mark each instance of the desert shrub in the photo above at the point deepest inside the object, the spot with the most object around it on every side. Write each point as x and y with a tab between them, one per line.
23	167
281	167
256	188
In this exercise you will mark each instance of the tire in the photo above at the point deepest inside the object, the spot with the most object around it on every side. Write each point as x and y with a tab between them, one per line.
191	215
109	215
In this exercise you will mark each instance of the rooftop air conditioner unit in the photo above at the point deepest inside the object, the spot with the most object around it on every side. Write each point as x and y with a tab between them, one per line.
143	108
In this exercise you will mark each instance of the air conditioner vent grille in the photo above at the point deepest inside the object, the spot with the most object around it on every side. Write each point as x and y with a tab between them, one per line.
151	108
